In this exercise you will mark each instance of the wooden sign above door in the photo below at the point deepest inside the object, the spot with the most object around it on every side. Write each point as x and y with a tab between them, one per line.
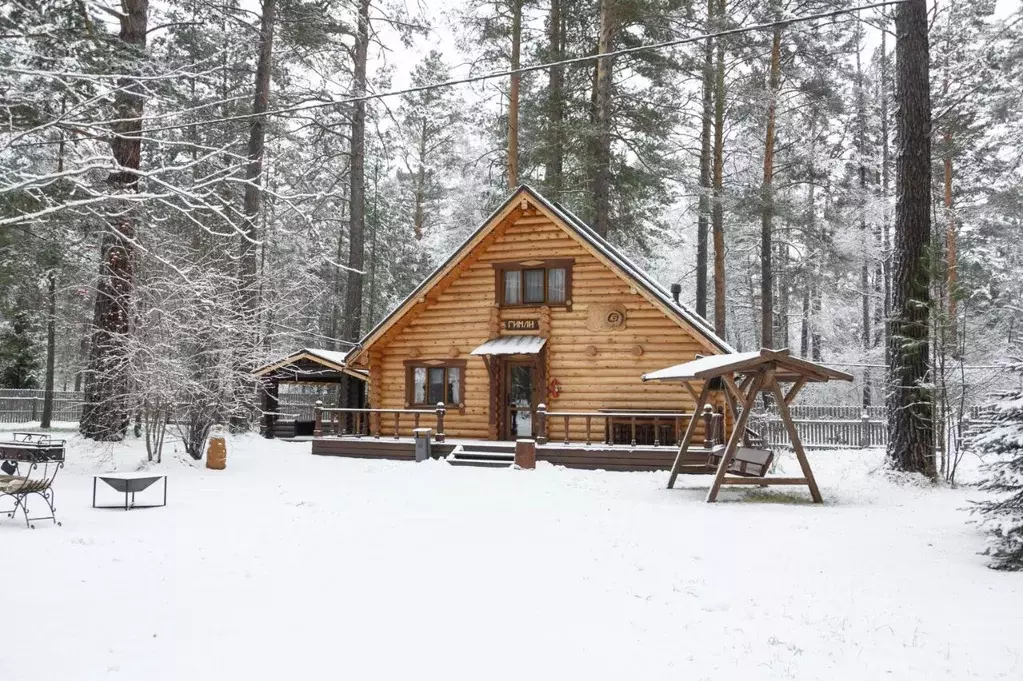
521	324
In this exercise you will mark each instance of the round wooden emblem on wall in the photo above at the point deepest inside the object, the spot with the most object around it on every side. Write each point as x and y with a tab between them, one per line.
605	317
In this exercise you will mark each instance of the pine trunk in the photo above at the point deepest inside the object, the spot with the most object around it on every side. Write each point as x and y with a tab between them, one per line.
352	330
804	328
51	348
248	262
419	214
910	424
703	218
886	237
254	173
717	209
951	247
767	200
861	153
107	380
513	96
602	123
555	101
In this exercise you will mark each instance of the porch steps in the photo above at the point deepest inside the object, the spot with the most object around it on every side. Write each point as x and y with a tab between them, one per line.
483	456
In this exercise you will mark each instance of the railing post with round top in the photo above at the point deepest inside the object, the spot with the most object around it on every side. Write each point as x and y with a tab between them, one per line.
657	432
865	429
633	425
318	419
397	416
708	426
541	424
440	422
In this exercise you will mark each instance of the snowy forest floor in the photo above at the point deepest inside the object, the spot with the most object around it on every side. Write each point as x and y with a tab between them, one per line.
291	566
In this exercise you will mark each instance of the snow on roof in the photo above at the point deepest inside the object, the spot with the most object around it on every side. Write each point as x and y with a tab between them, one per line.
332	356
788	367
596	242
511	345
688	370
331	359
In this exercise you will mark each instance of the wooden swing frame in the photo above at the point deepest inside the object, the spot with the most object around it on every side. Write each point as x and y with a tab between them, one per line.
763	371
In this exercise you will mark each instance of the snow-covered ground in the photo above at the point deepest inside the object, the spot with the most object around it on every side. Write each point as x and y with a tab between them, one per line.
289	566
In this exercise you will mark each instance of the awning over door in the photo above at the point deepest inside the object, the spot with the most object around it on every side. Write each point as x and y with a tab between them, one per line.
511	345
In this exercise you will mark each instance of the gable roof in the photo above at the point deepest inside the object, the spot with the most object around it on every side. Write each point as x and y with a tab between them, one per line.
577	228
330	360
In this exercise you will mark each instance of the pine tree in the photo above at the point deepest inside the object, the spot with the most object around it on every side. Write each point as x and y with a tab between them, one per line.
429	125
19	356
1003	513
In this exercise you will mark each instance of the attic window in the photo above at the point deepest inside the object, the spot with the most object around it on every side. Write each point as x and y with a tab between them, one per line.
534	283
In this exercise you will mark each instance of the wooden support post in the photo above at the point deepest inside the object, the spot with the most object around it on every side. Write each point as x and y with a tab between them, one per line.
737	433
657	432
397	417
587	429
794	390
633	426
541	424
318	419
701	399
566	427
440	422
525	454
797	444
271	405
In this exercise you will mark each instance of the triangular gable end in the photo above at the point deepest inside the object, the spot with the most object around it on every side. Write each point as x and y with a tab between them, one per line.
506	214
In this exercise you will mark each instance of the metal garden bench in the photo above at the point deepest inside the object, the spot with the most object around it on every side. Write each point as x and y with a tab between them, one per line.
30	464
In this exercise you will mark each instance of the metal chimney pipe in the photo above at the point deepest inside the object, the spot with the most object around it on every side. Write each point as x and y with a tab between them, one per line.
676	291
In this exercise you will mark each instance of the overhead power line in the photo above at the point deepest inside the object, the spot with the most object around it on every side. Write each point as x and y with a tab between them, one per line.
541	67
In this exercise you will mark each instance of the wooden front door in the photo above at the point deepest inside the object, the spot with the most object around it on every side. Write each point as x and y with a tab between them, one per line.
518	398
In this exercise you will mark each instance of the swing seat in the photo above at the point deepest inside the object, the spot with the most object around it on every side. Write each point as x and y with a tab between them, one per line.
748	461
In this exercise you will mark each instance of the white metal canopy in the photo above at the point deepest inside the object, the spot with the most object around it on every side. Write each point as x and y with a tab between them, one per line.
511	345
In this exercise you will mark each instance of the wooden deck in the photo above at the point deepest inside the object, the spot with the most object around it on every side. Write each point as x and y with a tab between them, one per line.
573	455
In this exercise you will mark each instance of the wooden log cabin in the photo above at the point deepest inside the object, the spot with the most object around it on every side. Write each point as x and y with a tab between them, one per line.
534	327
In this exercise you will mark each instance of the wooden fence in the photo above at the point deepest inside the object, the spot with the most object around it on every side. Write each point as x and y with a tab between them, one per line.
26	406
819	426
831	426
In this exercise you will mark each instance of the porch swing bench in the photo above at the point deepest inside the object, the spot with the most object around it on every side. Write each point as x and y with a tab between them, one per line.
741	377
748	461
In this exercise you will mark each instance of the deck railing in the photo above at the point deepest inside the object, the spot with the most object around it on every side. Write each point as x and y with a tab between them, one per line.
546	421
359	422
